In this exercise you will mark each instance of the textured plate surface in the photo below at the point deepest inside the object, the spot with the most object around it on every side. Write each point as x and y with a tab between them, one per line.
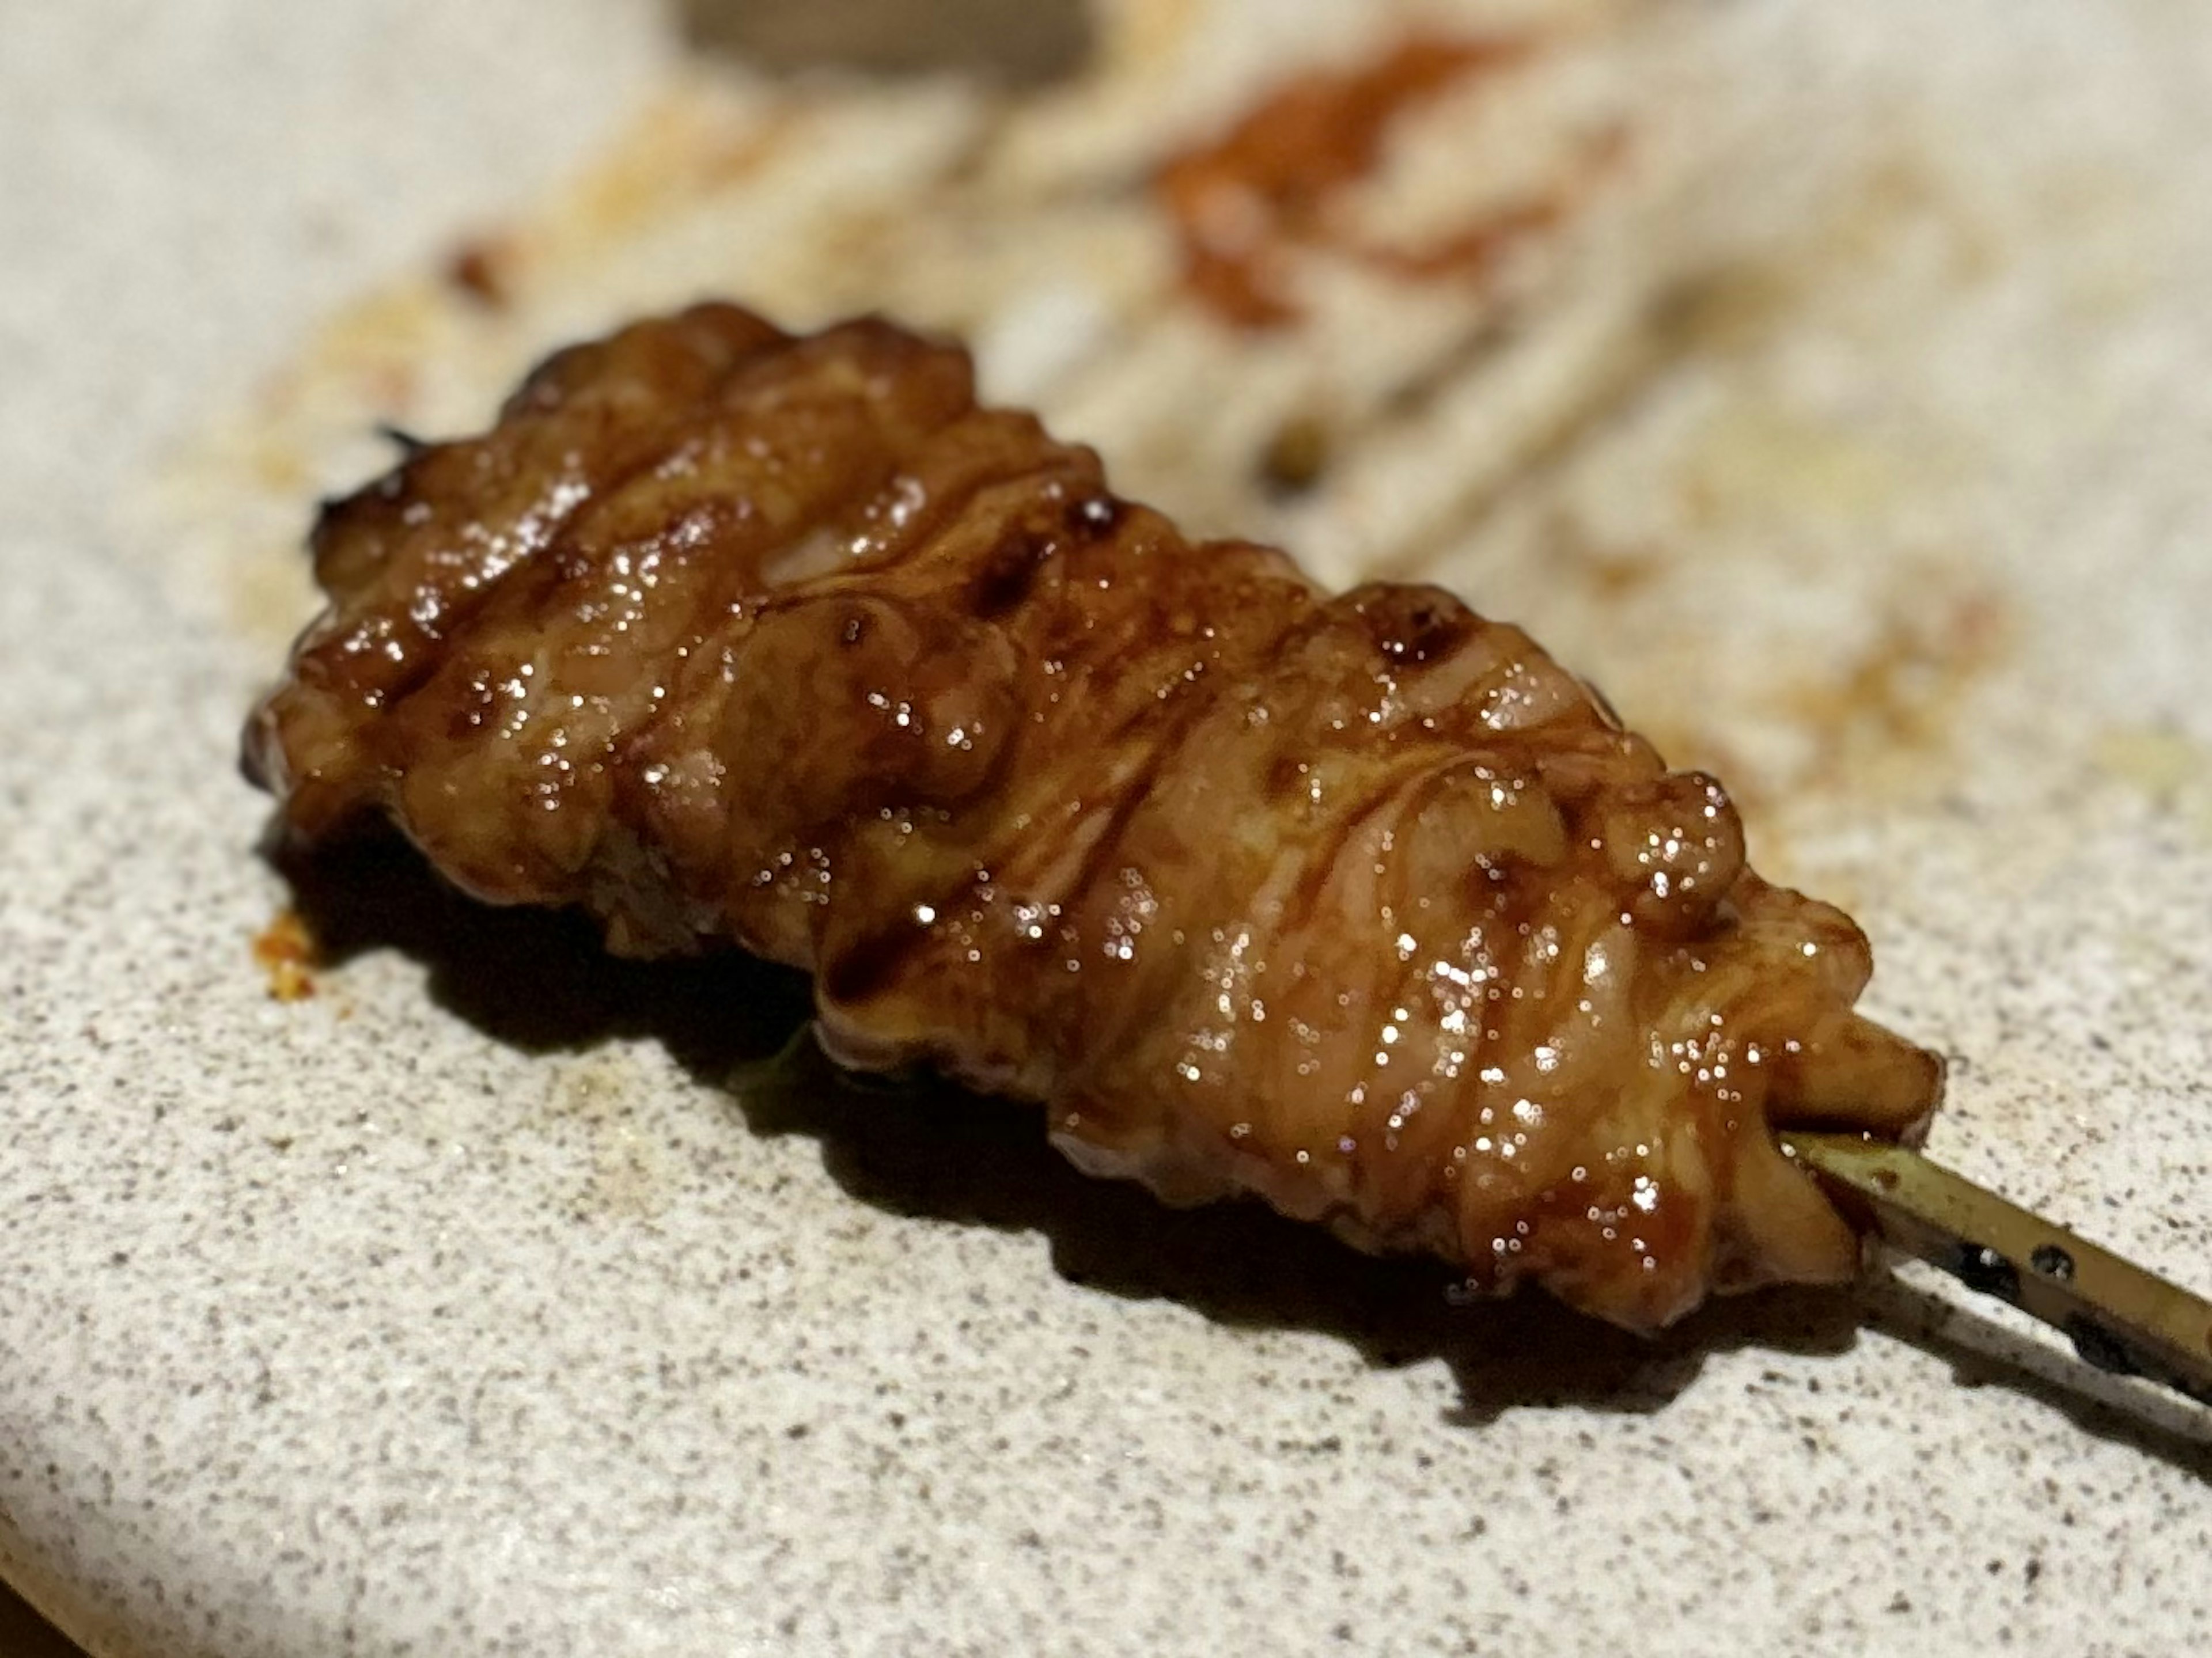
470	1306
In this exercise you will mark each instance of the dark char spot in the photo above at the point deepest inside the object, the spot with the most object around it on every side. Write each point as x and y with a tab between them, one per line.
1288	774
1420	633
869	964
1008	573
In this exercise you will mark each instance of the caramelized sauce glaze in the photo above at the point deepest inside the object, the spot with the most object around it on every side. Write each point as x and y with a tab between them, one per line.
1360	903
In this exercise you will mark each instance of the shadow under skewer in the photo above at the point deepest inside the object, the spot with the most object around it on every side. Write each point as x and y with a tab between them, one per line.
540	981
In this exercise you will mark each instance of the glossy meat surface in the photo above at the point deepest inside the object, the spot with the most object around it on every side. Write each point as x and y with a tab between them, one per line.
1360	903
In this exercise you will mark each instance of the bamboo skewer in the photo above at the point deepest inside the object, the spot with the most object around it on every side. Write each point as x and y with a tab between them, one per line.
2119	1317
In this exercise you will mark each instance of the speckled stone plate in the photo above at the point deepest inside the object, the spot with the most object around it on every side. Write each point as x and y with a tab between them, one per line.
498	1298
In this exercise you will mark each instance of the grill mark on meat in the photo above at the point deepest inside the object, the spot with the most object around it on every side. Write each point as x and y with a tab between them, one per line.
419	664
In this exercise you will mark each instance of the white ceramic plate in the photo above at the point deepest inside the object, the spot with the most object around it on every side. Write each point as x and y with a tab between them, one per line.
460	1309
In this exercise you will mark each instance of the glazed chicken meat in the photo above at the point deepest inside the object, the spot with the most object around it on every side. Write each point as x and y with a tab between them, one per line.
1360	903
